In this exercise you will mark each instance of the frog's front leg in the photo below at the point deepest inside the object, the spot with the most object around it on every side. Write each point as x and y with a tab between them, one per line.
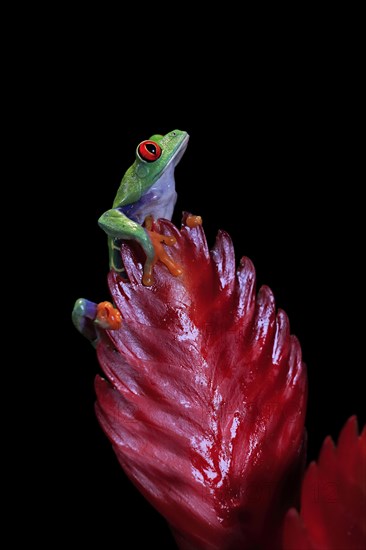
88	316
158	240
118	226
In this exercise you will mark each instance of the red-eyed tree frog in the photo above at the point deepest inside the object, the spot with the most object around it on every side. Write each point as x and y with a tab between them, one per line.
146	189
147	192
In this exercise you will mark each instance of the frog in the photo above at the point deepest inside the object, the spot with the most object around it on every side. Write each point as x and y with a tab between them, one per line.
147	190
146	193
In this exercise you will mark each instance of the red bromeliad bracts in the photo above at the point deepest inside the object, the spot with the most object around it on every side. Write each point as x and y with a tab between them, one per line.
333	499
205	395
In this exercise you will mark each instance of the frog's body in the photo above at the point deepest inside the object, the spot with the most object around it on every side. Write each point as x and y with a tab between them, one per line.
147	189
159	200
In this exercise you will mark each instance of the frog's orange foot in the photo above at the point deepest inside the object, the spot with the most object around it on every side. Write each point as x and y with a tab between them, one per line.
108	317
193	221
161	255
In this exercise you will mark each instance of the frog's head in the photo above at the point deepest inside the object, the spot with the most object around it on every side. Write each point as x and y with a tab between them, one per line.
153	157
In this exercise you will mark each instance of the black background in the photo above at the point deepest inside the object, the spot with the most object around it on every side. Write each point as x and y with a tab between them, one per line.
275	162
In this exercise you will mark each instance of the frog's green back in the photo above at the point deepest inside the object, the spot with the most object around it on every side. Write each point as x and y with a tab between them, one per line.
130	189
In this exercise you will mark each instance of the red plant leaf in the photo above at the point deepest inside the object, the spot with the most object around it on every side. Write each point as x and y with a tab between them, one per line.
333	501
206	395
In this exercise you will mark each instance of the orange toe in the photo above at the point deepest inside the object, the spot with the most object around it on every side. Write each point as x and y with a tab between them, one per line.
161	255
193	221
108	317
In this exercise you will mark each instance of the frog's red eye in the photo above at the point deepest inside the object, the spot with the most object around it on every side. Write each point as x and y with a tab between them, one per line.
149	150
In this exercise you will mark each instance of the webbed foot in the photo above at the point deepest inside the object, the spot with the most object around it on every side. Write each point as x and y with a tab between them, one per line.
87	316
158	240
108	317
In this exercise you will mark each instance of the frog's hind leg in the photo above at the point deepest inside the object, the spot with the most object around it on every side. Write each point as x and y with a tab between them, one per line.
88	317
83	316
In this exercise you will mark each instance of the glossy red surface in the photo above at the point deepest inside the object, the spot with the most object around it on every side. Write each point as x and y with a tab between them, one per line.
205	395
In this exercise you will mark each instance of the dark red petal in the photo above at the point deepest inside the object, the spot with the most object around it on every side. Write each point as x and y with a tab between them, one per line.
333	502
295	536
223	256
281	345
